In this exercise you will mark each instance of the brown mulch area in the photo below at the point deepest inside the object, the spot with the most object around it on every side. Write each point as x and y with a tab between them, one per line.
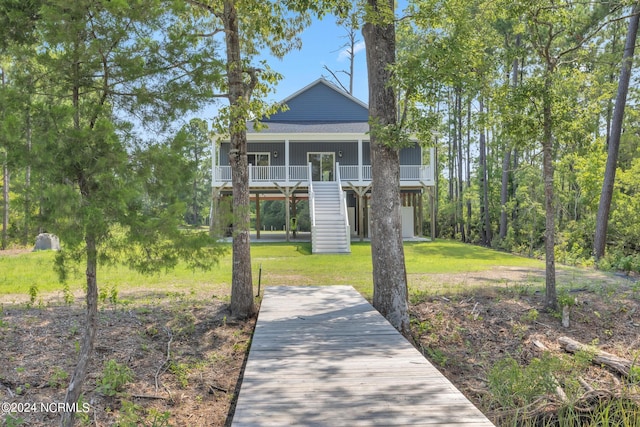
184	352
465	334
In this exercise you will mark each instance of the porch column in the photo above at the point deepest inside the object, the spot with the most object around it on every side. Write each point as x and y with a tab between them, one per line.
294	213
287	213
361	193
214	226
360	160
258	225
365	223
214	159
421	214
288	192
361	226
286	161
432	162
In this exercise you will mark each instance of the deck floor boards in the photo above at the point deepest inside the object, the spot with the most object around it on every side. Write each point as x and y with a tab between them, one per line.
323	356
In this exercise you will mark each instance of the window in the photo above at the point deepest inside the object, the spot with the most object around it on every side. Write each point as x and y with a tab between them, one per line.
258	159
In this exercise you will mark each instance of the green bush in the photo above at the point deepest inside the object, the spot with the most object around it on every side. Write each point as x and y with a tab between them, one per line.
515	386
114	377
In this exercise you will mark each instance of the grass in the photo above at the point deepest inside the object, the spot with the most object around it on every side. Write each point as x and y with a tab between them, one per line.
282	264
432	268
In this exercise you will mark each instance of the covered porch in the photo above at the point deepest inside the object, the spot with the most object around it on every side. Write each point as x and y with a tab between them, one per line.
268	170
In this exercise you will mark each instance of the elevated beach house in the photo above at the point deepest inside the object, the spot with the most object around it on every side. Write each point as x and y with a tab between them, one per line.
319	150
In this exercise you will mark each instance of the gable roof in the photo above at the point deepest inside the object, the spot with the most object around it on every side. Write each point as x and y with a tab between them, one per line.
321	102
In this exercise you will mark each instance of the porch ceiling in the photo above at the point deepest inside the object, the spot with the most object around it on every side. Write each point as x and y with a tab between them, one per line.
312	127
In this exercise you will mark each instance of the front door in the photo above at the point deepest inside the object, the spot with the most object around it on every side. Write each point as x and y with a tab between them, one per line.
322	166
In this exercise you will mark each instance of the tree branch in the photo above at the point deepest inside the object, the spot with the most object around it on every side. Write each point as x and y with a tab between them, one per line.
335	77
211	34
204	6
253	82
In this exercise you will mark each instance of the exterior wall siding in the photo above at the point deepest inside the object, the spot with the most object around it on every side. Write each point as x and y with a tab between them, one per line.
408	155
411	155
321	103
299	150
257	147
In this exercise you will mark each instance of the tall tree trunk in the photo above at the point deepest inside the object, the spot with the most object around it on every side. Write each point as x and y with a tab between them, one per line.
352	57
436	191
80	372
484	180
5	201
74	390
242	304
504	192
451	148
612	78
506	160
390	294
5	187
606	195
463	236
468	170
194	213
551	299
27	182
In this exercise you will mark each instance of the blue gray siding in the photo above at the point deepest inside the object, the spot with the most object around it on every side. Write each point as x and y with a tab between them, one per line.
299	150
257	147
411	155
321	102
408	155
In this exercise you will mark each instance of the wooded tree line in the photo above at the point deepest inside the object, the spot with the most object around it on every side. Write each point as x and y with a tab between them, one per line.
85	83
520	99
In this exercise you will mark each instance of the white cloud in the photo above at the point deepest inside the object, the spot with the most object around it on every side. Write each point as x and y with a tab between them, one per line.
344	53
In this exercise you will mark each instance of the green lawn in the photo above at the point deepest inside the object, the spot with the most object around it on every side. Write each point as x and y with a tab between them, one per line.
282	264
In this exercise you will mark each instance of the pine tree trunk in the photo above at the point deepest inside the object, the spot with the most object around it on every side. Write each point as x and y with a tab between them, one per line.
74	389
5	188
600	240
27	182
242	304
459	208
551	299
5	202
484	178
504	193
451	146
468	171
506	160
390	295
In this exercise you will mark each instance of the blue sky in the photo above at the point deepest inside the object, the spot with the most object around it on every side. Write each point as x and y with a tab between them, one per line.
321	45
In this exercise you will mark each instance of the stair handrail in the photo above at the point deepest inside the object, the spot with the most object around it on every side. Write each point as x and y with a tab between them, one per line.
312	198
343	204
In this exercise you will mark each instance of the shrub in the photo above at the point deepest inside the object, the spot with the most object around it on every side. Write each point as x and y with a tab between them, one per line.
114	377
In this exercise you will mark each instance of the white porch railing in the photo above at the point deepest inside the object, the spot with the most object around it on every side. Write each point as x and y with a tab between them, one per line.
366	173
267	173
312	208
348	173
299	173
344	212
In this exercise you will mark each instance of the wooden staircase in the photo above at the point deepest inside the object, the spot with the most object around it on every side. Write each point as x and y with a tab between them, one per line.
330	233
